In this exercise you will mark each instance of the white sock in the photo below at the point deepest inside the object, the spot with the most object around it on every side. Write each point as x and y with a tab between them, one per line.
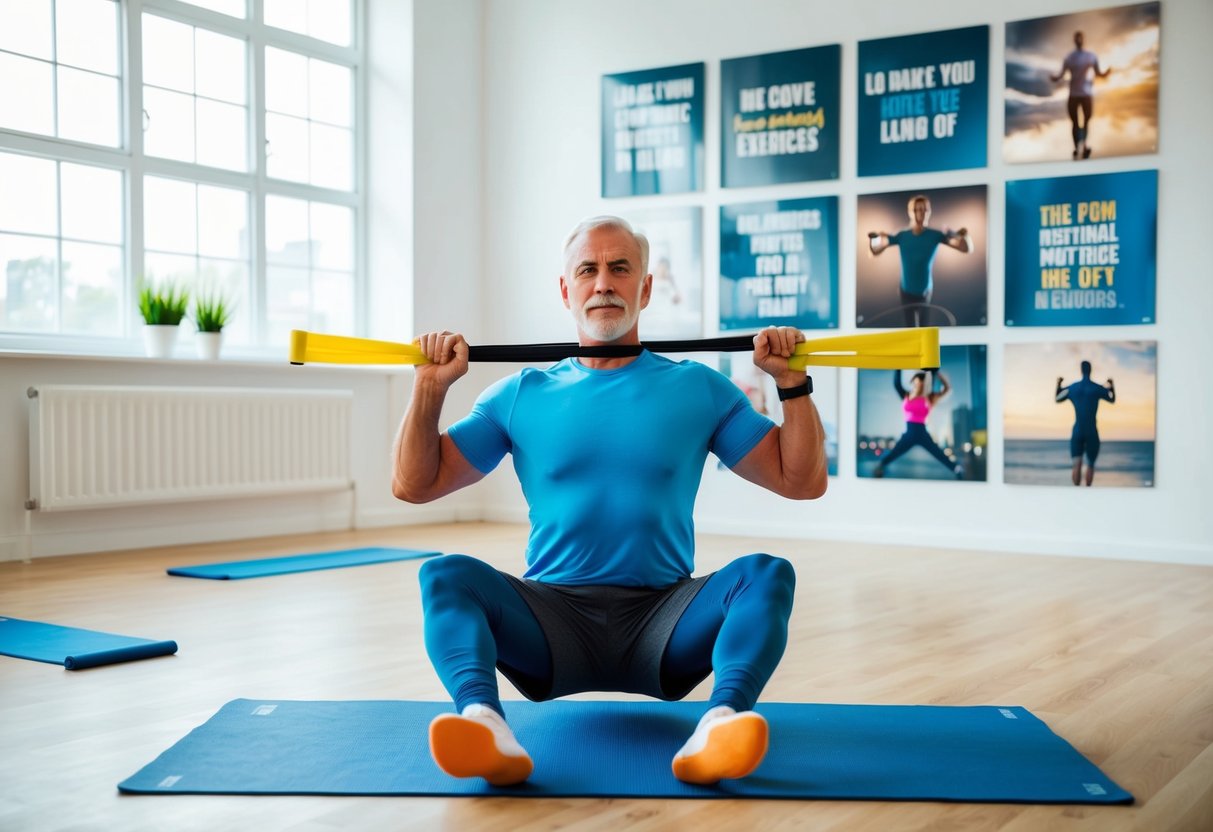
502	735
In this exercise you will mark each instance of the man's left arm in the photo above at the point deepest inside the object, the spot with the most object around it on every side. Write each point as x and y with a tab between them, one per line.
791	459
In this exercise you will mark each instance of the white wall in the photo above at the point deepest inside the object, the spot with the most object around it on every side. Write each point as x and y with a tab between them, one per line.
542	67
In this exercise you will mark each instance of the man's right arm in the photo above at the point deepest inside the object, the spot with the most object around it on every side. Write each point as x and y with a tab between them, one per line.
428	464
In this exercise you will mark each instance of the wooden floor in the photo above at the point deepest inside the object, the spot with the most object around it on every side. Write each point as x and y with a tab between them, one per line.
1117	657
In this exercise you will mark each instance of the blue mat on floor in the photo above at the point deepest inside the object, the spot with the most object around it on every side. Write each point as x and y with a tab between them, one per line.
237	569
73	648
623	749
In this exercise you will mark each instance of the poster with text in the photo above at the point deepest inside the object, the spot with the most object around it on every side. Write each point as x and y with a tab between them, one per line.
760	390
779	264
921	258
1080	413
925	425
675	237
1081	250
1083	85
923	102
652	131
779	117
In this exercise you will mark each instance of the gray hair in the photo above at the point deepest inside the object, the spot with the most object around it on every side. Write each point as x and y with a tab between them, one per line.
607	221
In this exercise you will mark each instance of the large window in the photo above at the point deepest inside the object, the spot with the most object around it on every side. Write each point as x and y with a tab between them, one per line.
179	143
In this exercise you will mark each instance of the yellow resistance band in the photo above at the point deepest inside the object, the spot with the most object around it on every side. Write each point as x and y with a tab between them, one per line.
908	349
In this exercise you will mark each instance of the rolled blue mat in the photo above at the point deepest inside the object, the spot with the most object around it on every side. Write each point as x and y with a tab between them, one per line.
264	567
74	648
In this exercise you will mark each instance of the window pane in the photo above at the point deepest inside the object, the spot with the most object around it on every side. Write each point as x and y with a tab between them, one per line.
333	302
170	124
329	93
287	148
285	82
329	20
235	8
168	53
27	27
332	157
92	203
332	236
26	98
27	296
286	231
288	301
87	33
28	204
222	222
169	215
230	280
88	107
92	289
220	70
176	270
286	14
222	135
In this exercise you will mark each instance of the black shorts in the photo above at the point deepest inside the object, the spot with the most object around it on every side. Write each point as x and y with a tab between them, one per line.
605	638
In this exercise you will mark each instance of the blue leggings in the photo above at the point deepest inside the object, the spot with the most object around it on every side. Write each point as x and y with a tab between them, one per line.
736	626
916	434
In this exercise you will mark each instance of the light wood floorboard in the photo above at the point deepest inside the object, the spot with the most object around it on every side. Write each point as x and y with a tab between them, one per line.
1115	656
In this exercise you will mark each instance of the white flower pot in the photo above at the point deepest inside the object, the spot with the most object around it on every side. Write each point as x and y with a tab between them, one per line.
208	344
160	339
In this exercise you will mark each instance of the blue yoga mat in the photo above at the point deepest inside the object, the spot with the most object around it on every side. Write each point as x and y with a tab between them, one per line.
73	648
623	749
234	570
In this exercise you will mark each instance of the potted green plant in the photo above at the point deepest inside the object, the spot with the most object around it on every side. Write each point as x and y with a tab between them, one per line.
163	309
211	313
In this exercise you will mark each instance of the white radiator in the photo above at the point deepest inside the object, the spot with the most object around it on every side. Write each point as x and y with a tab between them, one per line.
94	447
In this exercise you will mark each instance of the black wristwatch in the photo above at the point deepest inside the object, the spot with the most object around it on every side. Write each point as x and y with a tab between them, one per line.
796	392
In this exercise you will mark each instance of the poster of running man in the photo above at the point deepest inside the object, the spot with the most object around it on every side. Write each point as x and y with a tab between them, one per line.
779	117
652	131
1080	250
1083	85
925	425
920	258
923	102
779	264
1080	413
675	237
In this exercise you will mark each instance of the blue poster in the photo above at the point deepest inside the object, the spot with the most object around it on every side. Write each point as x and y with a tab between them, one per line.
779	117
779	264
652	131
1081	250
923	102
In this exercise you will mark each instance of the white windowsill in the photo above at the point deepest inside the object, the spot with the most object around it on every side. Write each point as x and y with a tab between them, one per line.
241	359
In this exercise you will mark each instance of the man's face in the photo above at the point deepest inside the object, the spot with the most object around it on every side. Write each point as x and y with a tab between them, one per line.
603	284
1078	39
921	211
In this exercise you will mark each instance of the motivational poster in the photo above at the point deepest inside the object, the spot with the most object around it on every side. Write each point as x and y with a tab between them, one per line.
779	264
779	117
1080	250
652	131
923	102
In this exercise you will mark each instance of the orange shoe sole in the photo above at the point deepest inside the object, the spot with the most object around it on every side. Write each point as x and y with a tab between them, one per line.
463	747
734	749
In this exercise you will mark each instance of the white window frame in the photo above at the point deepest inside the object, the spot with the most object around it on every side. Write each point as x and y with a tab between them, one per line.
130	160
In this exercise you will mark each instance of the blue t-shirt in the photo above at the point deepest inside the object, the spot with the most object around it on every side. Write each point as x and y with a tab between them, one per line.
1085	395
610	462
917	255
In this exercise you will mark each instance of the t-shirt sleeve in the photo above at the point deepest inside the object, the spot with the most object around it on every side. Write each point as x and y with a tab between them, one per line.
740	426
895	239
483	436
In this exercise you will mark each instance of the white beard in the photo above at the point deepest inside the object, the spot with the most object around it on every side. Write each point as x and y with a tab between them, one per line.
601	328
